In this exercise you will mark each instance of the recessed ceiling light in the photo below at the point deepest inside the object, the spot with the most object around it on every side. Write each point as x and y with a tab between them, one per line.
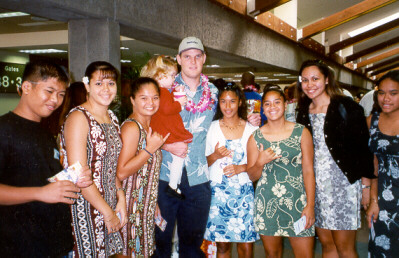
126	61
42	51
281	74
374	25
12	14
124	48
212	66
40	23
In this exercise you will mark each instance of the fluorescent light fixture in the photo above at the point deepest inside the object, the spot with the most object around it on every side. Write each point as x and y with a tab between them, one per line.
281	74
12	14
40	23
212	66
124	48
292	77
125	61
262	78
42	51
374	25
238	75
272	80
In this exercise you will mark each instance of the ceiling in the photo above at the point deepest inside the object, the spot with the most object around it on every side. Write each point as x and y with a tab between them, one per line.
308	12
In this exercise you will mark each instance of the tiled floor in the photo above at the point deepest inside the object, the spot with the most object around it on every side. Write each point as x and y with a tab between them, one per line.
361	245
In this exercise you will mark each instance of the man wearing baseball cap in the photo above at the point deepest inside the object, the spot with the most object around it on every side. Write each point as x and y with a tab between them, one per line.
191	213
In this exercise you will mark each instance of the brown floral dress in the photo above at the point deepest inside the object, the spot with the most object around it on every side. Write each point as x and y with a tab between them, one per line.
141	198
103	147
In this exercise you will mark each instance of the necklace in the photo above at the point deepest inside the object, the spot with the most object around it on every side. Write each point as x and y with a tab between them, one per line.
205	99
229	127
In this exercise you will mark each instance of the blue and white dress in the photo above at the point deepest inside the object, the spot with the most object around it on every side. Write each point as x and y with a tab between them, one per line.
386	147
232	205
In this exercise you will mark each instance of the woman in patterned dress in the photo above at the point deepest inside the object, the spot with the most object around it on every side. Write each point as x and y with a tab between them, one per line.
342	157
138	166
383	213
280	155
90	135
231	214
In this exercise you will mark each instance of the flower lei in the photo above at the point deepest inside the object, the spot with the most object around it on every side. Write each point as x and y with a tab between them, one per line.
205	100
251	88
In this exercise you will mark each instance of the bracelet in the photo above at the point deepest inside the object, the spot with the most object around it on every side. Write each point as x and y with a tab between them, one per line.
120	188
147	151
365	186
374	200
110	218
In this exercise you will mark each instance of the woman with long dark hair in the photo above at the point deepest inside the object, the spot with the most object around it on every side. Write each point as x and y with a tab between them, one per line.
232	205
383	213
342	158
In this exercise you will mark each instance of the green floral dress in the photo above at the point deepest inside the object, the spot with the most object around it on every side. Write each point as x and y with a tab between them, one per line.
280	193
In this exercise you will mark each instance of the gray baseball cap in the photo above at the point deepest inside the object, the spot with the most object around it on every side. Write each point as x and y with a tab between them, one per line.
190	43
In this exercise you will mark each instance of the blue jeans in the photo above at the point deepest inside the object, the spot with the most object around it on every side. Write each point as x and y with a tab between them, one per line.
191	215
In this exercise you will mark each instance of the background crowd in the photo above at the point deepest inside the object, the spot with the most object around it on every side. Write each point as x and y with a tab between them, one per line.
217	163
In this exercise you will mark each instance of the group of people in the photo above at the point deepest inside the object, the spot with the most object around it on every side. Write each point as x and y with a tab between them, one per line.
188	154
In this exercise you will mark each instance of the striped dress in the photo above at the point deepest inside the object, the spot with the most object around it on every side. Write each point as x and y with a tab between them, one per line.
141	198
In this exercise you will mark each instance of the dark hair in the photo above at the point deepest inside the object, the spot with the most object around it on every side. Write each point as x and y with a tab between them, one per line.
137	84
106	69
376	106
75	95
242	109
332	88
274	88
393	75
247	78
43	70
219	83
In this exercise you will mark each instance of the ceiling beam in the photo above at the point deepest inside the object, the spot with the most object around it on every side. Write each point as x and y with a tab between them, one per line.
343	16
378	76
256	7
378	58
372	49
364	36
382	64
391	67
240	6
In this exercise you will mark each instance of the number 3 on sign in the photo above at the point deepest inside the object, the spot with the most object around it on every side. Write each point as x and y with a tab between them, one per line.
19	82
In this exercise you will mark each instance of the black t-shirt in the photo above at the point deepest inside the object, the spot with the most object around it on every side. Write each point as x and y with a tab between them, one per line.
28	156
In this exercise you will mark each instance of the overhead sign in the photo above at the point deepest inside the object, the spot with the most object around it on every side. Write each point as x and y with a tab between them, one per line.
10	77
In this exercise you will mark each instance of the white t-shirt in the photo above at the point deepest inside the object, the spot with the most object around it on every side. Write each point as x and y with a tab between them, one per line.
367	102
216	135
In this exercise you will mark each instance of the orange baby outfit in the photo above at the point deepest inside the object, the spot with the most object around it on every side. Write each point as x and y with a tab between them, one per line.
168	120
